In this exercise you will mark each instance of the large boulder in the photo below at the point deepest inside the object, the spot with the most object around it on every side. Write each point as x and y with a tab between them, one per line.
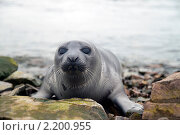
167	90
19	77
24	107
7	66
165	99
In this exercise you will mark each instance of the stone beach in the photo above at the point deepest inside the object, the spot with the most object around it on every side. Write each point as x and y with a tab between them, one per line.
155	86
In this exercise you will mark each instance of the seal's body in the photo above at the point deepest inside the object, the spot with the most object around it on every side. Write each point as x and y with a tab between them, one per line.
83	71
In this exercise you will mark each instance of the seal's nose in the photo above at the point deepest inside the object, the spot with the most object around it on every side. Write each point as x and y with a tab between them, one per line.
72	59
72	67
73	64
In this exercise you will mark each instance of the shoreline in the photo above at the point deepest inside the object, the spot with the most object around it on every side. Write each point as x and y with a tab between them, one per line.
31	64
137	79
27	76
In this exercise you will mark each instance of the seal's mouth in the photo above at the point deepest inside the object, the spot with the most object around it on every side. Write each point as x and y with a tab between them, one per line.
73	67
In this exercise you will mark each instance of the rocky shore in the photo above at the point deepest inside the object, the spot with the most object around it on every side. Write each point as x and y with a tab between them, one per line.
156	86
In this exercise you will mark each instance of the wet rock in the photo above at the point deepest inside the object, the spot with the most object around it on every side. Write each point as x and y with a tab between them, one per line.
24	107
19	77
4	86
167	90
7	66
154	111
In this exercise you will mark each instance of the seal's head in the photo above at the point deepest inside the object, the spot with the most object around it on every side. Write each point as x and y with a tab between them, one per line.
76	58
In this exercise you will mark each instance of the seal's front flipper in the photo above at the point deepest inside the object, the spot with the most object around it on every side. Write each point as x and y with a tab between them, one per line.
42	94
126	106
138	108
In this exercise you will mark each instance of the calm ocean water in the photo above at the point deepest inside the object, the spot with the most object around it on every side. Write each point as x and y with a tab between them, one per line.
135	30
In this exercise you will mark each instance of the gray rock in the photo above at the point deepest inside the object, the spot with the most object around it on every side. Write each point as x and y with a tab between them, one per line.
141	99
5	93
19	77
121	118
4	86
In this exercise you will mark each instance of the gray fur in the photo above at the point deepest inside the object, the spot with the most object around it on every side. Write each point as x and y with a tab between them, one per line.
101	80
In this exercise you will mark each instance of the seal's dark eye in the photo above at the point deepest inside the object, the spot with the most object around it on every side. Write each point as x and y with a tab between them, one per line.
86	50
62	50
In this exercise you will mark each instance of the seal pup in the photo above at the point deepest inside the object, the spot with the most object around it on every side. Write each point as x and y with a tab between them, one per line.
83	71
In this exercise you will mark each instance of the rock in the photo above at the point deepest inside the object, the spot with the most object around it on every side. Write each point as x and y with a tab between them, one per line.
165	99
24	107
136	82
167	90
139	83
111	116
154	111
132	75
135	93
158	77
30	90
135	116
163	118
5	93
147	77
7	66
18	90
127	92
141	99
19	77
4	86
121	118
148	92
143	70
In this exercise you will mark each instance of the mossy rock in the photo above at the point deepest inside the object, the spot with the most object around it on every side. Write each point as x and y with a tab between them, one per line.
24	107
19	77
7	66
154	111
